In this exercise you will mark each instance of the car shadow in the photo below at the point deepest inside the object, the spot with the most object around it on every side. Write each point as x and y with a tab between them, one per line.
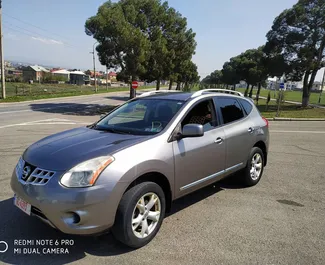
15	225
231	182
120	98
73	108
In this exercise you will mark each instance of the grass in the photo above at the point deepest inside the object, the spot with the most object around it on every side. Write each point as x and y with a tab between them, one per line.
290	95
289	111
17	92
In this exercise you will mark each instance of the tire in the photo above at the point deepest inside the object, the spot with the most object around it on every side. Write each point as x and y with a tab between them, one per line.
251	179
131	209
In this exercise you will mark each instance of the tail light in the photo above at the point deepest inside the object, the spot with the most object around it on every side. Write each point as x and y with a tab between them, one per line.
266	122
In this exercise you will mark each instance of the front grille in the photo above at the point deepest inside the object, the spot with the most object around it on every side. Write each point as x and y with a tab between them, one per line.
29	174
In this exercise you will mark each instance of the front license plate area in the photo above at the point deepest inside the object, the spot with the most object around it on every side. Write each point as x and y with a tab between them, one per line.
22	205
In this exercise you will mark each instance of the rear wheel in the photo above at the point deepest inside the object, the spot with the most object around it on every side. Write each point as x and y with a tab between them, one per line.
255	166
140	215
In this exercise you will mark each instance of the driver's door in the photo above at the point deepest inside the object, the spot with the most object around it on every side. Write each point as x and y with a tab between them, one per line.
199	161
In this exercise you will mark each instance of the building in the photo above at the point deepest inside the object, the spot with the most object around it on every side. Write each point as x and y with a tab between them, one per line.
79	78
63	73
317	86
13	71
34	72
112	76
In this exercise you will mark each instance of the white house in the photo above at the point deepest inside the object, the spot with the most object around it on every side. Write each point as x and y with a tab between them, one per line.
62	72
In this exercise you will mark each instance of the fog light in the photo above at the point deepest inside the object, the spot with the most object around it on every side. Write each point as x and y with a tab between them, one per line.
72	218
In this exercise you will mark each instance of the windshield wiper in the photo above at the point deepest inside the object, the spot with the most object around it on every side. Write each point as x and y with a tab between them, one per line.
112	130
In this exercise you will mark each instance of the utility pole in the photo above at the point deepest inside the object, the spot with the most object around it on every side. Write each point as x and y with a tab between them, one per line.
106	78
94	62
3	79
321	90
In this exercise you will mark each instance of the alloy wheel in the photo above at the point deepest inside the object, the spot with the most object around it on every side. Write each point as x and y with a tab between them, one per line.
146	215
256	166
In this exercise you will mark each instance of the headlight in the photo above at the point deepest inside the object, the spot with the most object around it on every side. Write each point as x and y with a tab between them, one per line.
86	173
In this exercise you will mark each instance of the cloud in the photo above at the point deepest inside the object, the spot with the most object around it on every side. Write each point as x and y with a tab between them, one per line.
11	36
48	41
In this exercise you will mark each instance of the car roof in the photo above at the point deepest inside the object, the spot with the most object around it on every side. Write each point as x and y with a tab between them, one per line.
187	96
180	96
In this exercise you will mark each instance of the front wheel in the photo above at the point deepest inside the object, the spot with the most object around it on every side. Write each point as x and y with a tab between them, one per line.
255	166
140	214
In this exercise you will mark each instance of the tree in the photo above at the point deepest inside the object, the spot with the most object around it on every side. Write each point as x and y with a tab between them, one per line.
143	39
229	74
298	34
188	74
118	28
249	67
214	78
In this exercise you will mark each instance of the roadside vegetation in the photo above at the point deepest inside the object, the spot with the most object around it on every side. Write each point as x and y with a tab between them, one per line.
22	92
294	51
288	110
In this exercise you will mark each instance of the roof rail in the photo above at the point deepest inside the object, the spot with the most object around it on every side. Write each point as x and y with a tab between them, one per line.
146	94
217	90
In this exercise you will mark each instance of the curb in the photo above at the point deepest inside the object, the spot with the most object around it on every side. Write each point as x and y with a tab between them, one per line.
296	119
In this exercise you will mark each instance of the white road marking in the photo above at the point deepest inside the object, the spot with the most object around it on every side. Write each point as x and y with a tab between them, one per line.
310	132
55	121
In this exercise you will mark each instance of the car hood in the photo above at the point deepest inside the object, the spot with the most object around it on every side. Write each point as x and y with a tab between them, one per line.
64	150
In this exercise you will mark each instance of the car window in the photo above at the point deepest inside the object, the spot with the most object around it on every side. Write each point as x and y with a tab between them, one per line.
247	106
141	116
203	113
132	113
230	109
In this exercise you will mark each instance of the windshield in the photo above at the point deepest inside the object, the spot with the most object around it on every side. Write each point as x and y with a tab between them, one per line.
141	117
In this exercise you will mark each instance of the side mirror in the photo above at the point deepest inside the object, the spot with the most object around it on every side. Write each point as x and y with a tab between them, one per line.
192	130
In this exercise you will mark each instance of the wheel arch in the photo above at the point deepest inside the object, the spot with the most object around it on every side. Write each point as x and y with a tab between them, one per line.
262	146
161	180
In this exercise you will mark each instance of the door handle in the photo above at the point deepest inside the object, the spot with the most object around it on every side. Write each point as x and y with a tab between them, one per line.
218	140
251	130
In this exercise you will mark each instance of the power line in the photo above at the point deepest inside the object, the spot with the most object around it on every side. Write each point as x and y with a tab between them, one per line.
33	32
20	30
25	22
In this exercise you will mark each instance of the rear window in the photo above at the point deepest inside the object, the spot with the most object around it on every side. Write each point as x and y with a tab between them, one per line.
230	109
247	106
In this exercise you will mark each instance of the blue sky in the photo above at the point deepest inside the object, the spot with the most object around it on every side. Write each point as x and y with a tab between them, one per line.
52	32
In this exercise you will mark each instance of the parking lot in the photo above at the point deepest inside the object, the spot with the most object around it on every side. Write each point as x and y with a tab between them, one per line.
279	221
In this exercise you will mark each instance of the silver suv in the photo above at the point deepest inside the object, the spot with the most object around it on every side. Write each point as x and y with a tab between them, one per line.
123	172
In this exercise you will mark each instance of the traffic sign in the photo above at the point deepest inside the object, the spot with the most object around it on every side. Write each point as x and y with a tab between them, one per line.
282	85
135	84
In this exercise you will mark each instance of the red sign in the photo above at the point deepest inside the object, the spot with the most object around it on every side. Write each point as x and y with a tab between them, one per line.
135	84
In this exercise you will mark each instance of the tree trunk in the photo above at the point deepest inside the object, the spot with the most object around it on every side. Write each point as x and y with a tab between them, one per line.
246	91
178	86
227	86
132	90
234	87
305	92
258	92
170	84
251	92
158	84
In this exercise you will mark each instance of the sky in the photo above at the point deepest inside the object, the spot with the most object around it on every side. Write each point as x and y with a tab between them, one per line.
52	33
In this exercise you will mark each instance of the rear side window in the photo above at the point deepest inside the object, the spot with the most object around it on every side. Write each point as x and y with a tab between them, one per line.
247	106
230	109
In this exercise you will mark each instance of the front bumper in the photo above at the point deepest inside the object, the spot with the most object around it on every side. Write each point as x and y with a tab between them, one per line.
83	211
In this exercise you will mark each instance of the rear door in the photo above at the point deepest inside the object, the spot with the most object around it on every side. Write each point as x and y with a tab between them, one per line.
239	132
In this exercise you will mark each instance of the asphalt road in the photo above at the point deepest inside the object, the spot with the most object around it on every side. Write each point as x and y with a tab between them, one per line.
279	221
